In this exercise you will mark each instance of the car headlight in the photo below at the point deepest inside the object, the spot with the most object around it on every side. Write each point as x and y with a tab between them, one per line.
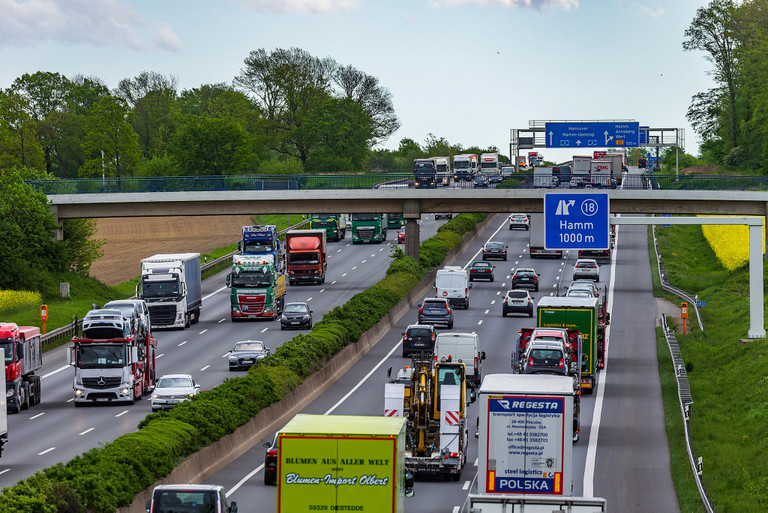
305	318
155	396
232	358
9	393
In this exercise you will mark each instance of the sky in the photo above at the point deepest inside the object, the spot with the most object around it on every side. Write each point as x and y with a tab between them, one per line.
465	70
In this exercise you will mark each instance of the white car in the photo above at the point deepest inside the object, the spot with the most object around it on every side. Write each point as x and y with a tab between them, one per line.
583	285
586	269
519	221
171	389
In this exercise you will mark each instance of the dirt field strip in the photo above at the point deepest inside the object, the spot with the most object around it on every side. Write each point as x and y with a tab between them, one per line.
129	239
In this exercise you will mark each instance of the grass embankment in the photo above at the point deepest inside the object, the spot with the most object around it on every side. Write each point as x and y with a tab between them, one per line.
728	380
86	291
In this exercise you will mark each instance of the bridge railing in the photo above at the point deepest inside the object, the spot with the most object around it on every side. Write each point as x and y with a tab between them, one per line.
364	181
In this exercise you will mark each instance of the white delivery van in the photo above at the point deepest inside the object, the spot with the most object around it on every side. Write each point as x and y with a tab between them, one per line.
464	348
452	283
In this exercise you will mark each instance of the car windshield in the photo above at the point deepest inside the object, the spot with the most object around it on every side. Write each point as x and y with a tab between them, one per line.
545	356
435	304
419	332
494	245
481	264
524	272
193	501
517	294
176	382
296	308
249	346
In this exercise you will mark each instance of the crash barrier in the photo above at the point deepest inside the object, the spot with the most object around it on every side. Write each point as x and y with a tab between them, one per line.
206	462
228	256
691	300
65	333
357	181
685	399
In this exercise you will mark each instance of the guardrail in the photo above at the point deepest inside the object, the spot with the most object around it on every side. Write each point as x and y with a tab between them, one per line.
362	181
685	399
693	301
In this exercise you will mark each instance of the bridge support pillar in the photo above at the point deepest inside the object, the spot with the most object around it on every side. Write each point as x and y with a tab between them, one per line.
756	311
59	233
411	214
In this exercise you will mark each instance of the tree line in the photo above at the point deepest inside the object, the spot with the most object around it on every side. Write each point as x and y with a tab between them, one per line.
732	117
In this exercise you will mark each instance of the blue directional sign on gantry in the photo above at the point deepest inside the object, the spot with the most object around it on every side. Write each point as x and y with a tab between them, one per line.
597	134
577	221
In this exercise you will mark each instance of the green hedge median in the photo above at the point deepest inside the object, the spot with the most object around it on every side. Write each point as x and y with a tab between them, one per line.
108	477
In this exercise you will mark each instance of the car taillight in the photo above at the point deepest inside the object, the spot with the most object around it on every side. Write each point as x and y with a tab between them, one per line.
421	310
561	364
530	300
505	301
475	363
530	361
272	453
448	310
466	292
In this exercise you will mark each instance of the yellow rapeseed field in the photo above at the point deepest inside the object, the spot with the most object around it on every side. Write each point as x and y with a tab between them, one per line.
11	300
730	243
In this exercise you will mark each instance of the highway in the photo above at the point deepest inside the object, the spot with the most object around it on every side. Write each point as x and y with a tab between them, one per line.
622	454
55	431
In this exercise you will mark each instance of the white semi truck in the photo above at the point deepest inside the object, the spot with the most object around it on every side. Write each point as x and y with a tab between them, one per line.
525	450
171	284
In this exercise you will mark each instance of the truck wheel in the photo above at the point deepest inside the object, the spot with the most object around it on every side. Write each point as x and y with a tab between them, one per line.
24	396
197	316
37	396
187	323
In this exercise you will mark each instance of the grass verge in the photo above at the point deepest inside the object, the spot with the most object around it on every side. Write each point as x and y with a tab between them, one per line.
728	381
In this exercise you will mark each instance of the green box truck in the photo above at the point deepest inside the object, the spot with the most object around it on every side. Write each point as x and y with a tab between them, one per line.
581	313
342	463
369	228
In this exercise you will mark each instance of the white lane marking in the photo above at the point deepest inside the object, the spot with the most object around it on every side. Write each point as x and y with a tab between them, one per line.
321	291
225	355
121	413
54	372
4	471
160	355
309	299
265	329
339	251
456	509
364	261
517	261
201	370
474	257
45	451
493	302
206	329
214	293
466	485
589	468
382	249
182	343
333	282
355	267
86	431
373	254
36	416
486	312
222	320
343	275
498	292
479	322
477	461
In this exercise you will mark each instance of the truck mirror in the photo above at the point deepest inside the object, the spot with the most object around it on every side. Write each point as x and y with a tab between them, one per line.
148	505
267	445
482	355
71	356
607	318
470	286
472	395
408	482
233	508
389	373
183	289
229	278
409	492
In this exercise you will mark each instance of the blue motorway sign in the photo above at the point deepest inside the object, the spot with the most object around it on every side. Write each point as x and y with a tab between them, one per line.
644	135
701	303
598	134
577	221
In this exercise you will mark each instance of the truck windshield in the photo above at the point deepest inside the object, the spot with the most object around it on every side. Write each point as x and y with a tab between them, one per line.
258	246
160	289
461	164
188	501
304	258
317	223
488	165
366	217
101	356
254	279
6	344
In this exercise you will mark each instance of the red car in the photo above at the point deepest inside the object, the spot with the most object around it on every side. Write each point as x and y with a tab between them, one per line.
401	236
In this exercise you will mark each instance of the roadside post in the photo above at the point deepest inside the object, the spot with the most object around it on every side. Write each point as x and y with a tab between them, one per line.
684	315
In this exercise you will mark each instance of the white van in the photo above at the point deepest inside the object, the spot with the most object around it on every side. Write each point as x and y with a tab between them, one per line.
452	283
461	347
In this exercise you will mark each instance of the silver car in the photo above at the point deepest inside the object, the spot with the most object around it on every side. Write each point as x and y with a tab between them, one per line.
171	389
586	269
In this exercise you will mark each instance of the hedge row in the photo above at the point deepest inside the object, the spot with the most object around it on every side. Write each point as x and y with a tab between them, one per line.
108	477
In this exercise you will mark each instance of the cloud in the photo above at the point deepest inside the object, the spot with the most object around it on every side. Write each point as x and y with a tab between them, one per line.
653	12
94	22
527	4
294	6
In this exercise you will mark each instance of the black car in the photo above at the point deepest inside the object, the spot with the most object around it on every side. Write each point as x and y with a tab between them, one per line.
448	215
436	310
518	301
494	250
481	271
419	338
270	463
525	277
481	181
246	354
296	316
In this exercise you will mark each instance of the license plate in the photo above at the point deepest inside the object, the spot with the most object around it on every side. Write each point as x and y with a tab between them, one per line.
518	303
102	399
294	322
249	361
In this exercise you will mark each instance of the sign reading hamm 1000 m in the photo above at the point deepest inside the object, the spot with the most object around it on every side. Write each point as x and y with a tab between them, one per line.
588	134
